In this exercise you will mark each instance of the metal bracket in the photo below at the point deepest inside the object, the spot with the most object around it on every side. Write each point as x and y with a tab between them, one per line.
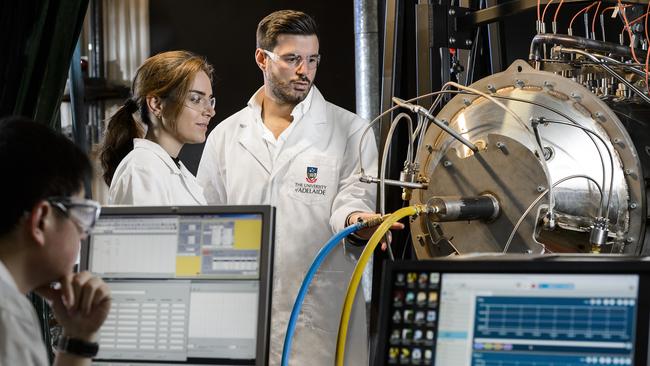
443	27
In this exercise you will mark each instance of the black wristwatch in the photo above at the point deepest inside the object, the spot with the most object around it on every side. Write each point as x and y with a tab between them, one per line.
77	347
354	239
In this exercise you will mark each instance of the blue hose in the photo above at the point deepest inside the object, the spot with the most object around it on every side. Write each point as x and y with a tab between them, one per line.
320	257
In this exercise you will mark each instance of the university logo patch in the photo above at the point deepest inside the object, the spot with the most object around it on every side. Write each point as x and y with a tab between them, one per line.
312	174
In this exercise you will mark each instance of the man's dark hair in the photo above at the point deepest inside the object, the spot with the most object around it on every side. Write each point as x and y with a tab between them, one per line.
38	163
284	22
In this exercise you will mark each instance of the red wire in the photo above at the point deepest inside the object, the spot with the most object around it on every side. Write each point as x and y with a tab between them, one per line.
593	22
539	17
608	8
647	56
638	19
580	12
629	33
612	8
633	22
544	12
557	11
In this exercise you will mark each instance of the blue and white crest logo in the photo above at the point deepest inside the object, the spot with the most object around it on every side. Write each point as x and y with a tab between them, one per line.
312	174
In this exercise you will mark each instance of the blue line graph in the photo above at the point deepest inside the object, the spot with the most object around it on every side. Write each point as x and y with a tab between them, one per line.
587	319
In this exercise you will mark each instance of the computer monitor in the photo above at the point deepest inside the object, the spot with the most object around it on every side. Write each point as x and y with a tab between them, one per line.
572	312
190	285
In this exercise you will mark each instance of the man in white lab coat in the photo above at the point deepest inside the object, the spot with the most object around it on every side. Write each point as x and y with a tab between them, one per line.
292	149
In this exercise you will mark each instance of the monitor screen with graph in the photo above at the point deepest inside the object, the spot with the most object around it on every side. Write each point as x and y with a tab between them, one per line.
190	285
497	313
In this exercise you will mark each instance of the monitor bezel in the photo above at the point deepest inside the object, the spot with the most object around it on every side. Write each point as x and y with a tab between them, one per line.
265	266
597	265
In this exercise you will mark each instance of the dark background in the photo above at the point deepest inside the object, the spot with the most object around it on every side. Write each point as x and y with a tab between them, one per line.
224	32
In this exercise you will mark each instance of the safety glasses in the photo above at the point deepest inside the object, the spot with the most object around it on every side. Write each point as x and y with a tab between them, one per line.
82	211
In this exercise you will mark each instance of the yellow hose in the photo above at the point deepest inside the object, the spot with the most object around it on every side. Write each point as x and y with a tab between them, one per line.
353	285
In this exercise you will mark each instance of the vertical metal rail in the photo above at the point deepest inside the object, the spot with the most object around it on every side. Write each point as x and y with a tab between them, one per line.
77	95
423	51
79	108
494	40
388	82
388	75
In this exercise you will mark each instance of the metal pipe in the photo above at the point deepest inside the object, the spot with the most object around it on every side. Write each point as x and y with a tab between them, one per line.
392	182
581	43
424	112
621	64
366	51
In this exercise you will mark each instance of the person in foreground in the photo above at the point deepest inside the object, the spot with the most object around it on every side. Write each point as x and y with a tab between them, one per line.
43	218
292	149
172	104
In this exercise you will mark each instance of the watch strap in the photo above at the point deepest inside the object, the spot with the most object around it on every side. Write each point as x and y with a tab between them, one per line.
78	347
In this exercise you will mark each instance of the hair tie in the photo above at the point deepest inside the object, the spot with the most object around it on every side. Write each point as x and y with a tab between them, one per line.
131	105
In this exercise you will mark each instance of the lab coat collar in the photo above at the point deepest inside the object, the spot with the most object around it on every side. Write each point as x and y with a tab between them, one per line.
174	169
251	137
159	151
300	110
251	140
255	103
6	277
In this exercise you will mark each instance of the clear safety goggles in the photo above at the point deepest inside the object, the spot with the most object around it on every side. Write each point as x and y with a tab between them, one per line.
83	212
199	102
294	61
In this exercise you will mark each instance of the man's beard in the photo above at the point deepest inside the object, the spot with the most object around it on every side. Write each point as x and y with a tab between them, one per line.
284	92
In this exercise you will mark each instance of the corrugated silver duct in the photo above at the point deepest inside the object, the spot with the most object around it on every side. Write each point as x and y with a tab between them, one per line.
366	50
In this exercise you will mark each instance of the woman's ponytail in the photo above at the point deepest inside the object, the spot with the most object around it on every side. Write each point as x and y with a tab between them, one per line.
122	128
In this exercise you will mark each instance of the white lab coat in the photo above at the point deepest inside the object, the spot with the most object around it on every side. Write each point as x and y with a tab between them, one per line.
236	169
147	176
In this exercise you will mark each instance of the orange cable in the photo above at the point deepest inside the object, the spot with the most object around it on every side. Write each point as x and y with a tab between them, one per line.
647	54
557	11
544	12
629	33
639	18
612	8
593	22
580	12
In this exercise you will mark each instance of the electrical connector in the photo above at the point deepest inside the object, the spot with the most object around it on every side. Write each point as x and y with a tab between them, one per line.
599	231
372	222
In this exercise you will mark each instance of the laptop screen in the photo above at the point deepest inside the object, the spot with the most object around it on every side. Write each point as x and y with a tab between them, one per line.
189	285
478	314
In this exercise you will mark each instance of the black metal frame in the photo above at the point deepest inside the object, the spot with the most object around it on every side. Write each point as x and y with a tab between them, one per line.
513	7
